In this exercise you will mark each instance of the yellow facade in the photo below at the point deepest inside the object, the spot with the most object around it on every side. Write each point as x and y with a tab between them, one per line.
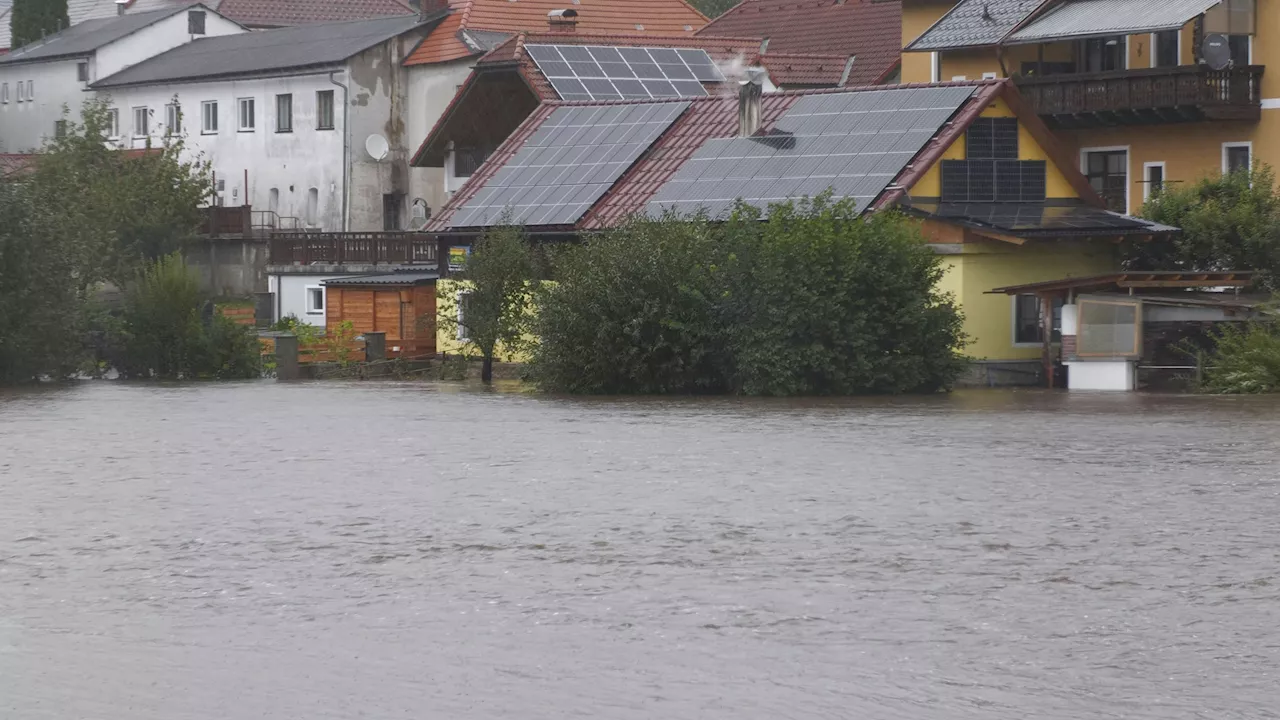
447	330
1188	151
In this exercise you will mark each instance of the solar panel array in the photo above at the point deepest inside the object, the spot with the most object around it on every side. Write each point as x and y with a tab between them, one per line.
564	167
1018	217
852	143
590	72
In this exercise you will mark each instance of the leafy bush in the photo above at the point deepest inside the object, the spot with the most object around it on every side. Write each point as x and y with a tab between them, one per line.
813	300
1230	222
1245	359
169	330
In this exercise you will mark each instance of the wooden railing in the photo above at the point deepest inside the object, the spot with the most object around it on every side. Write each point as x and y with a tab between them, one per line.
235	220
336	248
1154	95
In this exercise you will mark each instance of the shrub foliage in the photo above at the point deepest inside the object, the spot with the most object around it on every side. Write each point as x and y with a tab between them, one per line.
813	300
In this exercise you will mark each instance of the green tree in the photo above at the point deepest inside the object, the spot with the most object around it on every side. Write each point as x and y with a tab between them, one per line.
1245	358
499	274
813	300
714	8
1229	222
31	20
118	209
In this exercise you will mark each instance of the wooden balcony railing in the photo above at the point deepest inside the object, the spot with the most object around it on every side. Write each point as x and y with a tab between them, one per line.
1185	93
235	220
352	248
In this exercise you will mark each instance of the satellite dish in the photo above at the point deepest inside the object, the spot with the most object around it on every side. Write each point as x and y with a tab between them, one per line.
377	147
1216	51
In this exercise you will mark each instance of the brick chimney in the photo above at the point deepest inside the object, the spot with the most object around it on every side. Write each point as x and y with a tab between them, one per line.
563	20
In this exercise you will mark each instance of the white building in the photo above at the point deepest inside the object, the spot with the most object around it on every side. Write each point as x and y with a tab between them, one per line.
40	80
303	122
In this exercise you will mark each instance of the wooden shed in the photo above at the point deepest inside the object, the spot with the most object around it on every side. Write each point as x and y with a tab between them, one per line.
400	304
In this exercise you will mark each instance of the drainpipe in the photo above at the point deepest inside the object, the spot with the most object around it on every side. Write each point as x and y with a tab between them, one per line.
346	155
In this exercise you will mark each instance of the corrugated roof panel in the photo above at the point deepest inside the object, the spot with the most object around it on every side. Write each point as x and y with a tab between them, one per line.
396	278
975	23
1095	18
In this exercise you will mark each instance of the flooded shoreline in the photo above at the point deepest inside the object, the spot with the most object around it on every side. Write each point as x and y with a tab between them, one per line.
338	550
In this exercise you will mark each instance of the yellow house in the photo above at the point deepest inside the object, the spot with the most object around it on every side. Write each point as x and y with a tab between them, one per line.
996	195
1140	94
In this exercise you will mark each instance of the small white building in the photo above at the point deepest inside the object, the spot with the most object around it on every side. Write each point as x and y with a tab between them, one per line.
41	81
302	123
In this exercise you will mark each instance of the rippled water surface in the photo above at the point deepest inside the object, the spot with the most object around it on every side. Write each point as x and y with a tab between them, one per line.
225	552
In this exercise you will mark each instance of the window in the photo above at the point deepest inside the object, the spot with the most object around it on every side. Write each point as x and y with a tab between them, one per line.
1028	325
1164	48
391	203
284	113
113	123
467	160
1103	54
22	93
1109	328
31	90
324	110
209	117
246	114
4	93
141	122
60	128
173	118
273	203
315	300
313	206
1152	180
1239	46
82	71
195	22
1108	172
464	304
1235	157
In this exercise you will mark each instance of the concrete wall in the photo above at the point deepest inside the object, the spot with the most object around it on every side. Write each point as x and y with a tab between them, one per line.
292	164
229	267
431	89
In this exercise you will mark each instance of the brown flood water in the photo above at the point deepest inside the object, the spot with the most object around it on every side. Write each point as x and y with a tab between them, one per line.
318	551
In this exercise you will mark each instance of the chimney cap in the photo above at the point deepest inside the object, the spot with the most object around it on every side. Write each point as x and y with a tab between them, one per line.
565	14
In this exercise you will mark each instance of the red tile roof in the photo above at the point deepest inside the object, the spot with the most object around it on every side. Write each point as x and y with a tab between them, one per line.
636	17
791	70
871	30
717	117
279	13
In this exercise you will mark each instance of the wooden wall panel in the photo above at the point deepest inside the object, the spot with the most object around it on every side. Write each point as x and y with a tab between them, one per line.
386	306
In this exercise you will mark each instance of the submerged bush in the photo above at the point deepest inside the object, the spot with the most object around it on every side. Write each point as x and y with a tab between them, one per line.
1245	359
169	330
813	300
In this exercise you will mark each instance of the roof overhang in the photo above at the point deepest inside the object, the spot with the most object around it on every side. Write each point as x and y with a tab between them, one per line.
1132	280
1084	19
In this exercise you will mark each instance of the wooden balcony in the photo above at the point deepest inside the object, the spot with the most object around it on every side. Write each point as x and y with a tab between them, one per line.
352	248
1187	93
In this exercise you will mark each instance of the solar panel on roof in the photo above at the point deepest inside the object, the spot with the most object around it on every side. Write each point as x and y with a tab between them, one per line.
591	72
1037	217
574	156
852	143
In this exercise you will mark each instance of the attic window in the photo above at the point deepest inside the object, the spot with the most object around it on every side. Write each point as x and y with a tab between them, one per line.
195	22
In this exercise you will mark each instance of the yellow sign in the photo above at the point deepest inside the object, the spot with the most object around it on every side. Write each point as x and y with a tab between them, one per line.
458	257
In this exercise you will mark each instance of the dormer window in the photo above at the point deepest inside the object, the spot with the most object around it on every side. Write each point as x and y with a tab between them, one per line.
195	22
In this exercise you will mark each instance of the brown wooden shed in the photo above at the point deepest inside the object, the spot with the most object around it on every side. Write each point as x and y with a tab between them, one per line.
400	304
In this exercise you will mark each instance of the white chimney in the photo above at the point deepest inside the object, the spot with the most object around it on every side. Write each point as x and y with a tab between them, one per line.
749	102
563	20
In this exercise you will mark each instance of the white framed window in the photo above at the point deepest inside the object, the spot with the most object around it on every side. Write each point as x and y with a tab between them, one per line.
82	71
1237	157
31	90
315	300
1153	175
247	118
1107	170
4	93
173	118
324	110
141	122
284	113
209	117
1028	322
113	123
464	302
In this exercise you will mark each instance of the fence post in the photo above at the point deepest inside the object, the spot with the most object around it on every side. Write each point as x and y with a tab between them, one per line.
375	346
287	357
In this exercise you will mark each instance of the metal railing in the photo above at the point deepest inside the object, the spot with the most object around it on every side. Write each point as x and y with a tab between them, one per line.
308	247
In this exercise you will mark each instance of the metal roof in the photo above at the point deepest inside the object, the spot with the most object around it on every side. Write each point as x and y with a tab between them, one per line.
396	278
1096	18
263	52
88	36
1135	279
975	23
